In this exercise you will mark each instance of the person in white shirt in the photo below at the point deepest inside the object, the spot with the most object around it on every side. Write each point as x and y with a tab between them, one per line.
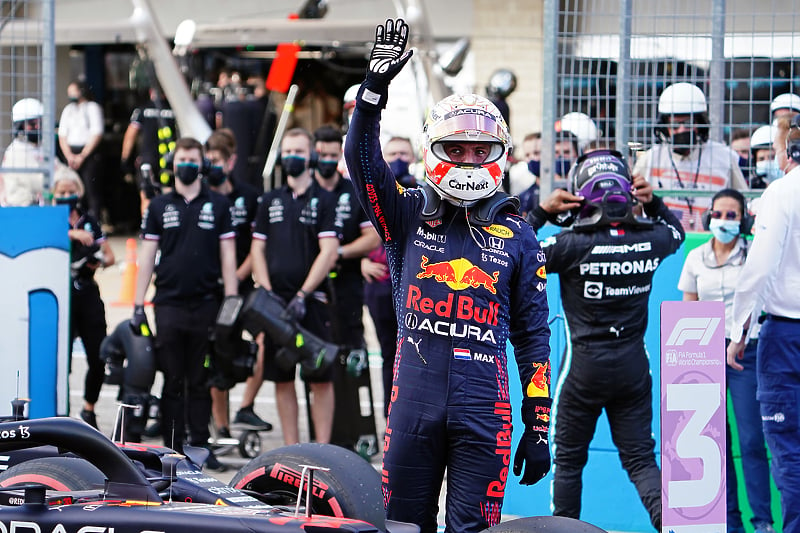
711	273
770	279
684	157
80	131
20	184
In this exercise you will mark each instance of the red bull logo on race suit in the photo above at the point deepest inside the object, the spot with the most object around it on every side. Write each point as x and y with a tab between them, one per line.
459	274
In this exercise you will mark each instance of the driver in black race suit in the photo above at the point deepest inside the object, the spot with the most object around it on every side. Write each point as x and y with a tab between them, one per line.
467	275
606	263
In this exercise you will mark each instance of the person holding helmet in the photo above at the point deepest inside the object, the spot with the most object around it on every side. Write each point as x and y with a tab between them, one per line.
786	104
685	158
467	275
606	262
769	281
23	188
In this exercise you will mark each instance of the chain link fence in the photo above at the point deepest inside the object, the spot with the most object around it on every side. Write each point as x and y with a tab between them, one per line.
611	60
27	70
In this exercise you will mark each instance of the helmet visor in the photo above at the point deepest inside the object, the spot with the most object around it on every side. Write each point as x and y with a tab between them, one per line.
443	150
473	125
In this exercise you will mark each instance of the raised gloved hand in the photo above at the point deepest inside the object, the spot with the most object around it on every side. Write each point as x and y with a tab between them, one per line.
534	448
387	58
139	322
296	308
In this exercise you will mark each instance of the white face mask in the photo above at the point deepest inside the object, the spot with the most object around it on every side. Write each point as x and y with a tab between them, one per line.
769	169
724	230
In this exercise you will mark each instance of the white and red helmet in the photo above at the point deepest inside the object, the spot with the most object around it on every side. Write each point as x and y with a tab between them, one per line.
469	118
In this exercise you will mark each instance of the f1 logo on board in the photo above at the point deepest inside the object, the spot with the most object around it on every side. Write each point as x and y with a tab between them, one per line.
693	329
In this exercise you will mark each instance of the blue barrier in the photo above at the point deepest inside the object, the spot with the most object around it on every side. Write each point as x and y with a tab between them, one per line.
34	317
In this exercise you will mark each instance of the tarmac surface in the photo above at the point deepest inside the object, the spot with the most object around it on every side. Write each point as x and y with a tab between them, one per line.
111	282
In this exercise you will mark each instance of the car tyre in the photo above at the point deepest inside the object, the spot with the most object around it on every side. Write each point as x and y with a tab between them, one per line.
57	473
351	488
541	524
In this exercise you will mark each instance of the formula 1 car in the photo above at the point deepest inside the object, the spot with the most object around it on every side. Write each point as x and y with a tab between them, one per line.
60	475
63	476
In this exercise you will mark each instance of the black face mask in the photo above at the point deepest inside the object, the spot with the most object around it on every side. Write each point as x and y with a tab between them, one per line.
216	176
293	165
327	168
32	136
562	166
71	201
399	168
534	167
187	173
73	99
683	142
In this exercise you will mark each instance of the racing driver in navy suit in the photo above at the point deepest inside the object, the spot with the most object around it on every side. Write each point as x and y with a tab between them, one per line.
468	275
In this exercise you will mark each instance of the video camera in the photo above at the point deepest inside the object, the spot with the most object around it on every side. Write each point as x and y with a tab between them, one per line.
265	311
234	356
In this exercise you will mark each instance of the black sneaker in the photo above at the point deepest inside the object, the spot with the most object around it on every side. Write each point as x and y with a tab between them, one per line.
153	430
248	417
89	417
224	433
213	464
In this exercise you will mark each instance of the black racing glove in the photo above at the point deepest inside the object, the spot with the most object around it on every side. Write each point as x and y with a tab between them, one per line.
139	322
534	449
387	58
296	308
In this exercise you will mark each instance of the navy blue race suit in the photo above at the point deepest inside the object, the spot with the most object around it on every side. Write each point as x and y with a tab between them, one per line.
457	303
606	275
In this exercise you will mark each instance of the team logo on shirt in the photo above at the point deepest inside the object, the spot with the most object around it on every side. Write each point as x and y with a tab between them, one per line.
205	220
593	290
459	274
310	212
499	231
343	208
275	211
171	218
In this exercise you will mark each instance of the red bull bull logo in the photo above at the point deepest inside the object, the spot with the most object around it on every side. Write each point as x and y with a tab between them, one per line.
459	274
540	382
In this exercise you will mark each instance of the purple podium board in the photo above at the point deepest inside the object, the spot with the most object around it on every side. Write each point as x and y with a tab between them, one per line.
693	417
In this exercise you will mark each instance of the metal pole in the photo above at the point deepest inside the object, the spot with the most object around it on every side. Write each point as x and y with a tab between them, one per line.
716	101
623	118
49	90
550	21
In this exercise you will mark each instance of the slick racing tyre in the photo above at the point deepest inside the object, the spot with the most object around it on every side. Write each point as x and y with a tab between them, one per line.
57	473
351	488
544	524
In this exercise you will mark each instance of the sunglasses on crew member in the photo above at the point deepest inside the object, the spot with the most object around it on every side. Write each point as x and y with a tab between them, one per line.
727	215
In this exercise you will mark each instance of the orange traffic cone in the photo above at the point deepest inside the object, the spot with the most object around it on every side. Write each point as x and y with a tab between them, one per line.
127	291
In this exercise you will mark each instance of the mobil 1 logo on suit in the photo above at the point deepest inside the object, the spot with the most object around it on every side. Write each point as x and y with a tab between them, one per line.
693	416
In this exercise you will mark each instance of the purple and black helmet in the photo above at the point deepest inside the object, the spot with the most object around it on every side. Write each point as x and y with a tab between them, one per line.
603	179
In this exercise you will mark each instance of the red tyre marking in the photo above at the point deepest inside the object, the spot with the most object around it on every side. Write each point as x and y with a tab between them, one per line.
335	507
35	478
258	472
